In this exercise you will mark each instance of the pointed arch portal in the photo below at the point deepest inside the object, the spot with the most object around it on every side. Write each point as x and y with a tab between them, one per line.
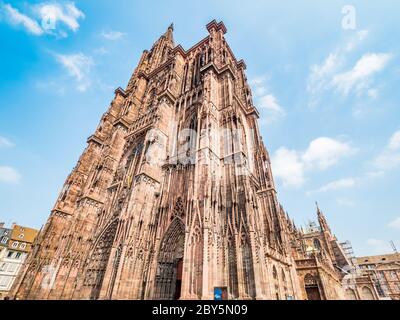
311	287
170	262
97	263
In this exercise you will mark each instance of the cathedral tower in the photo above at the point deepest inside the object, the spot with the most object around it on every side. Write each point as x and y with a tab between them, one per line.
174	194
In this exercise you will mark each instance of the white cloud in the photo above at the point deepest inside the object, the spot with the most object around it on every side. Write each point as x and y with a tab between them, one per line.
395	224
390	156
359	37
67	14
52	85
336	185
78	66
373	93
379	246
9	175
100	51
5	143
375	174
320	74
394	143
334	75
288	167
258	81
46	17
291	165
17	18
325	152
112	35
345	202
388	160
270	104
259	86
359	76
267	103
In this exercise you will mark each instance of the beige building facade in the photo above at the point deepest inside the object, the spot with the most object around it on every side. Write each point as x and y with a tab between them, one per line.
385	270
15	245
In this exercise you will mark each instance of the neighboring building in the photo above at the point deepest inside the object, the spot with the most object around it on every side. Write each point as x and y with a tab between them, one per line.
5	235
326	268
385	271
15	244
5	280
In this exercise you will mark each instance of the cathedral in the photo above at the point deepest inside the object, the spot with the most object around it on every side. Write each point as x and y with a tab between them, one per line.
174	196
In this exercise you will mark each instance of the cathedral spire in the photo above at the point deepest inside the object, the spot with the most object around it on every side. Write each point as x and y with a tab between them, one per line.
161	49
319	213
169	35
318	210
322	220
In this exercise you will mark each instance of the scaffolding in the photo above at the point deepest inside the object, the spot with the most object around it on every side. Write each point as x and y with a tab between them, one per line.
393	246
348	249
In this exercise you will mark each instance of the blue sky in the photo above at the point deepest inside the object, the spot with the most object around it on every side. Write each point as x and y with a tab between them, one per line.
328	98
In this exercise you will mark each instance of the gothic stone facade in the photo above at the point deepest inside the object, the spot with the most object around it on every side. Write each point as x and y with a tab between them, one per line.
325	270
161	206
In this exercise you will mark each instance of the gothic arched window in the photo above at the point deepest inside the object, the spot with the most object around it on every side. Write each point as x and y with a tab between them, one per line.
210	55
350	294
193	133
367	294
151	98
317	244
64	191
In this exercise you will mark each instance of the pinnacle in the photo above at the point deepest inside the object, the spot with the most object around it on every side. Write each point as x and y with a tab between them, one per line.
169	33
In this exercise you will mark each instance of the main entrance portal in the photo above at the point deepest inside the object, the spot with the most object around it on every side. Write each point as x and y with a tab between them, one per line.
168	282
313	293
178	282
311	286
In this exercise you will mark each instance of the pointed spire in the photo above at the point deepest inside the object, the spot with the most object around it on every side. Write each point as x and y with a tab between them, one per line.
294	225
322	220
318	210
169	34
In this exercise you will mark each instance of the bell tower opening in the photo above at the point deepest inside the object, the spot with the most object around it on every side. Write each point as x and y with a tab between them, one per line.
168	282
